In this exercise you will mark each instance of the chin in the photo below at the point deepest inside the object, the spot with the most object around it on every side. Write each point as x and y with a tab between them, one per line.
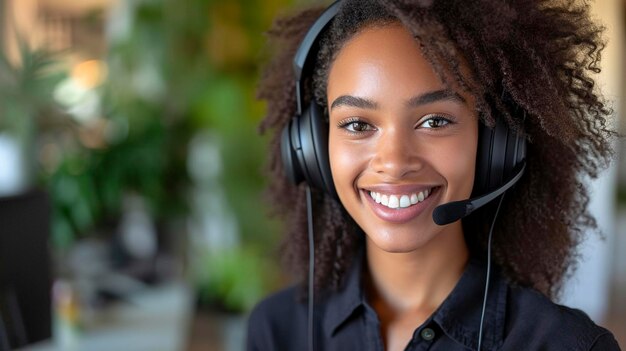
399	242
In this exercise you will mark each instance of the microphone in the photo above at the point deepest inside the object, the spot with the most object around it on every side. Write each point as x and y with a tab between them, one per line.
453	211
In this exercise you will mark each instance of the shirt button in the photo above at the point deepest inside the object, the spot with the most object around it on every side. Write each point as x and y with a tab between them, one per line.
427	334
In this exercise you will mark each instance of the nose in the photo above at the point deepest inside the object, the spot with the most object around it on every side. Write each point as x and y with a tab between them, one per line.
397	154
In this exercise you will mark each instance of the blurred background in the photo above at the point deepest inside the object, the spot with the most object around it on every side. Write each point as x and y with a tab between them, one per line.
131	176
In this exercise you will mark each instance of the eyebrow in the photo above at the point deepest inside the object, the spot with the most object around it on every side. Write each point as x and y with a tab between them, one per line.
435	96
354	101
423	99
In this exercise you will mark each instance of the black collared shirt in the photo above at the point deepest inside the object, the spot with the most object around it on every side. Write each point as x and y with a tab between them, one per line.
516	319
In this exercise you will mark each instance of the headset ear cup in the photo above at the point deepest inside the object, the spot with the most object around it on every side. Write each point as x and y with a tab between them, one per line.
291	166
483	160
500	151
320	137
314	142
500	142
515	153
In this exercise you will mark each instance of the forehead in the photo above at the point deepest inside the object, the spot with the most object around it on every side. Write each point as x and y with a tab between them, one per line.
384	58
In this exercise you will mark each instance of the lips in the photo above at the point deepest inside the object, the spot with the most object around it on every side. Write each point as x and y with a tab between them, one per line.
400	205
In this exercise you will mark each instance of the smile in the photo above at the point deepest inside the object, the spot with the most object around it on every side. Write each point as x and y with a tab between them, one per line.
401	200
400	205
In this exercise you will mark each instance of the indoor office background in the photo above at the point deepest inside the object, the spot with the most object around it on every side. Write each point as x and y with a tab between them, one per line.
131	176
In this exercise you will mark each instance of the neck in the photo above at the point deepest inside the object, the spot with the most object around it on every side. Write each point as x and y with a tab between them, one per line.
420	280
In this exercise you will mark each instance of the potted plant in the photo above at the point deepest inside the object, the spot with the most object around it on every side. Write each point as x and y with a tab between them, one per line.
26	109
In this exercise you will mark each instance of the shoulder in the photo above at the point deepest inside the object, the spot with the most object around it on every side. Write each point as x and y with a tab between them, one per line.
276	320
277	305
535	321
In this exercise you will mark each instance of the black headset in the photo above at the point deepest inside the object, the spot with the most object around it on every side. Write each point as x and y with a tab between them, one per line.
500	159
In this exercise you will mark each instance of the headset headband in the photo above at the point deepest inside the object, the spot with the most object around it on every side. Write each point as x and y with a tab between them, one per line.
299	60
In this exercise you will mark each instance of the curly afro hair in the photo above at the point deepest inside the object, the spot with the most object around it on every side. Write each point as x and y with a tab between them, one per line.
542	53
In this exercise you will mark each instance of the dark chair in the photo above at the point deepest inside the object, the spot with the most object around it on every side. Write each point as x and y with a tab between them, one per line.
25	271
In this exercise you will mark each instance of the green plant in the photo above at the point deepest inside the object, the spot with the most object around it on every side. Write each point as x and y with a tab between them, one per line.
47	137
235	279
175	71
27	108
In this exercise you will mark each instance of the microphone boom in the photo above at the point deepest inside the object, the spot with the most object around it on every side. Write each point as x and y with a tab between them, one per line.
453	211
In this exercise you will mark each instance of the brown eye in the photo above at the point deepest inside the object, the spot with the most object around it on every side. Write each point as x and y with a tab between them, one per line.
357	127
435	122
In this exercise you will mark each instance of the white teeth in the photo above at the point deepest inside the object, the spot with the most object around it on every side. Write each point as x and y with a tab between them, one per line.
400	201
393	202
384	200
404	201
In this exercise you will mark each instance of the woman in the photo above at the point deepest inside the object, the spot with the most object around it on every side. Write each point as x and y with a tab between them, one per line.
407	93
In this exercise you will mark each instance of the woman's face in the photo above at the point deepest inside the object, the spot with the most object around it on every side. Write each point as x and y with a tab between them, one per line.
400	141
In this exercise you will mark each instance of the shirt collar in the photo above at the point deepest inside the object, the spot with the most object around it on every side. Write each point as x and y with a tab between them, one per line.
458	316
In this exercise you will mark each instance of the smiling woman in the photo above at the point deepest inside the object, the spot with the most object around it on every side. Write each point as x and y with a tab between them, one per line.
404	111
396	131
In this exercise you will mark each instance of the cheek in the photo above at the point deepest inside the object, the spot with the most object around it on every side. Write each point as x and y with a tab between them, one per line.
342	162
458	162
347	163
